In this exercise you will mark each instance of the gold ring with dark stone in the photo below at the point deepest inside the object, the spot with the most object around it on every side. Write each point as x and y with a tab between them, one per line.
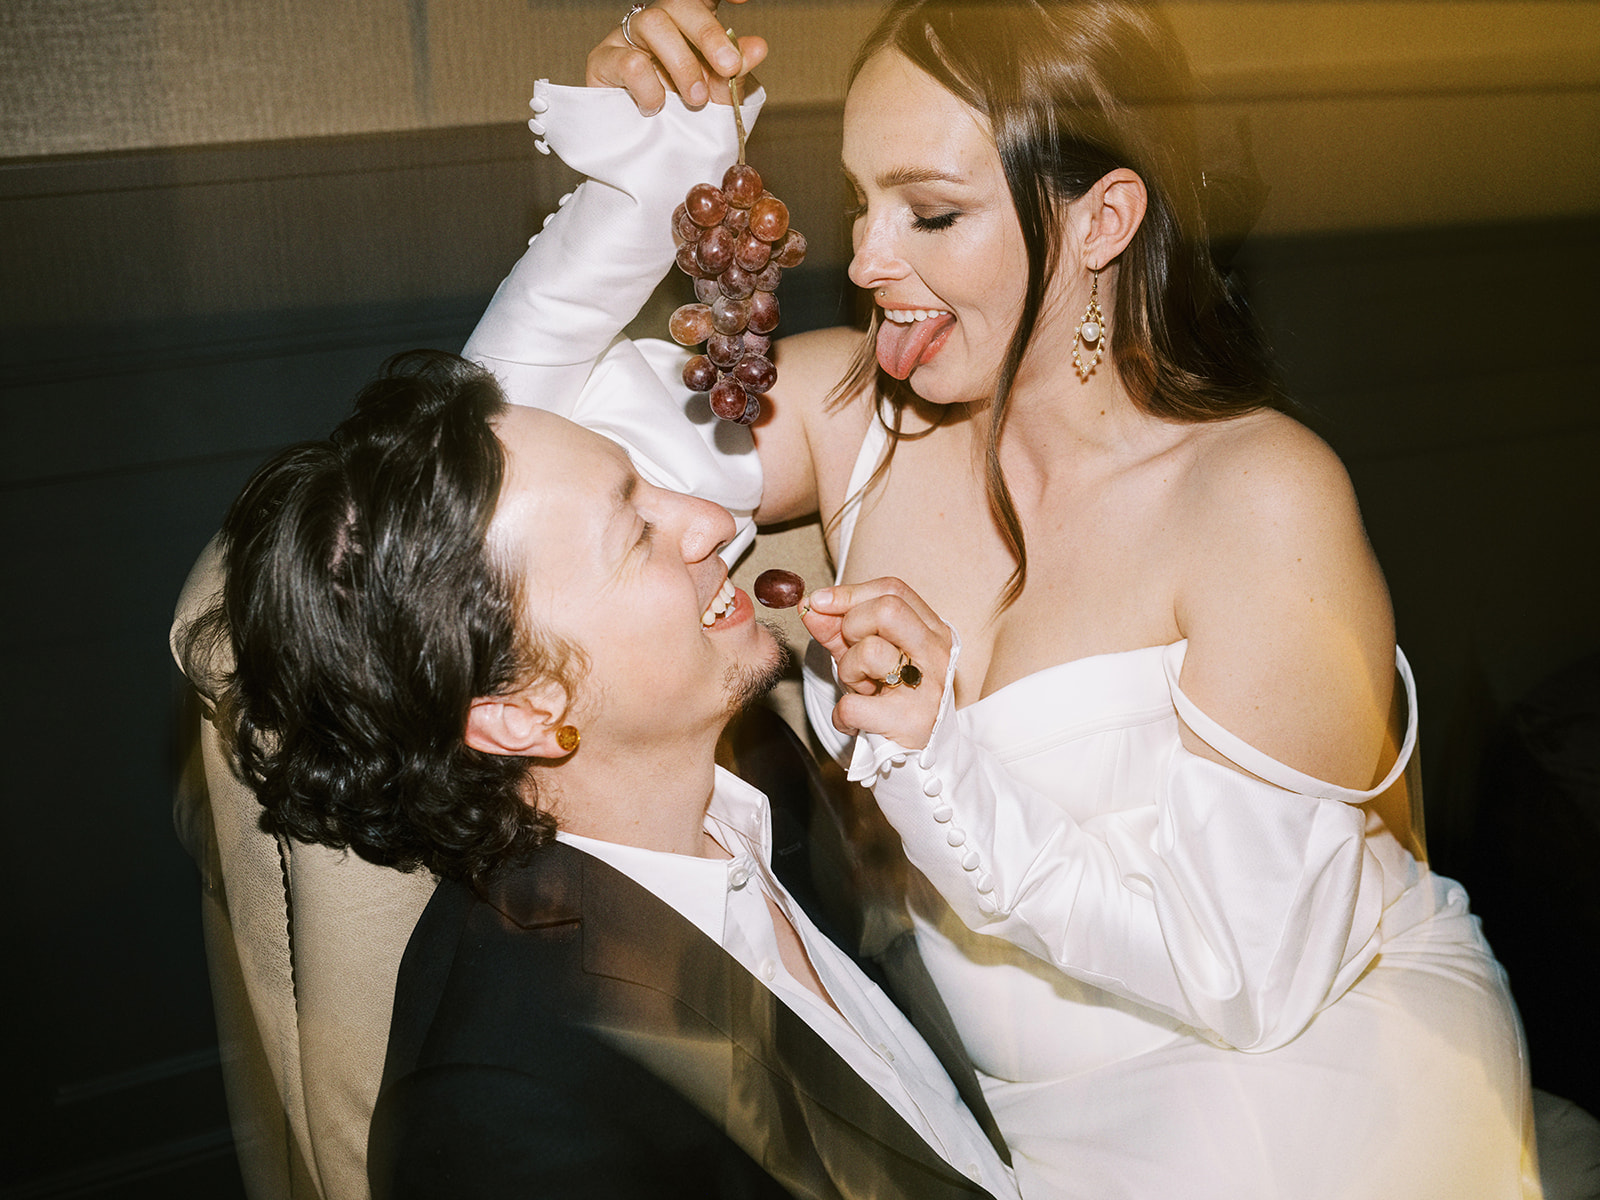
906	672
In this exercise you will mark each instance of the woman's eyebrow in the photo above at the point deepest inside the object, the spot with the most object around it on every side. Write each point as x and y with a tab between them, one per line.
901	176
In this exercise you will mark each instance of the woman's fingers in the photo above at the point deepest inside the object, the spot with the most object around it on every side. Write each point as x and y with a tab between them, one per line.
841	616
891	653
677	44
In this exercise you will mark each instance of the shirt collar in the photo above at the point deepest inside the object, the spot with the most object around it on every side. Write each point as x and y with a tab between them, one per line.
737	819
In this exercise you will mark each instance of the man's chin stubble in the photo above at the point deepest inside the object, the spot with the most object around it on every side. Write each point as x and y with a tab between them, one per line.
745	684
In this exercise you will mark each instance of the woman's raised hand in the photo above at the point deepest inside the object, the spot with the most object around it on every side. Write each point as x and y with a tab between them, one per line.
891	652
677	44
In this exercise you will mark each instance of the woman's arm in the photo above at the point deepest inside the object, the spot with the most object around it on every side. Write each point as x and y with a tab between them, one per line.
1290	629
1239	907
551	333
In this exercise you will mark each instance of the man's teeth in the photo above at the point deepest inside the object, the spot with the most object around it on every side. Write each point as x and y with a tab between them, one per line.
719	603
906	316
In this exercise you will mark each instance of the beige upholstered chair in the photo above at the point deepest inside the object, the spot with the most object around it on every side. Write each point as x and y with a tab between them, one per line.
304	943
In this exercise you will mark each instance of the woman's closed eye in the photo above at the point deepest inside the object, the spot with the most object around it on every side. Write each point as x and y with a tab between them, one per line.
934	222
647	537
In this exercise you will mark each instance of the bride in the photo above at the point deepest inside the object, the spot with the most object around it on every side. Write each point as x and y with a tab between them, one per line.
1151	765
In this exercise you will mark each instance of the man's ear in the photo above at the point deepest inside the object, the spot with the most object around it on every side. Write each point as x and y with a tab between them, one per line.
521	723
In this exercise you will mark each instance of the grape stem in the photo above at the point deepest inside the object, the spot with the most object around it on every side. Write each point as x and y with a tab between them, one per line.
738	102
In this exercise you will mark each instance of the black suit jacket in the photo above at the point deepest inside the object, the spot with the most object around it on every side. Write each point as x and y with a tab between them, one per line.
569	1034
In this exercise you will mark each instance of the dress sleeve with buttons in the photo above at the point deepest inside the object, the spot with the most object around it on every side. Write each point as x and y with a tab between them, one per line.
1240	907
552	333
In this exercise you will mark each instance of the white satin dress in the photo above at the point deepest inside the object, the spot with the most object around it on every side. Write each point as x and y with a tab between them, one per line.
1177	981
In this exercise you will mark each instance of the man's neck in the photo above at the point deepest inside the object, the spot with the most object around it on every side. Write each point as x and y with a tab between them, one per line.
652	796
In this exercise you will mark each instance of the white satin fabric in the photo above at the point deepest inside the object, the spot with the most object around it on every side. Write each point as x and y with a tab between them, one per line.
552	332
1181	981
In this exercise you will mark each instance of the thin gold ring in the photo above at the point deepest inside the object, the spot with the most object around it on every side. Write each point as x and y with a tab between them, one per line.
906	672
627	33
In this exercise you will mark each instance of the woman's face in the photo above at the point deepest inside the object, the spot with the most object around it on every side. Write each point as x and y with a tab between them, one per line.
936	237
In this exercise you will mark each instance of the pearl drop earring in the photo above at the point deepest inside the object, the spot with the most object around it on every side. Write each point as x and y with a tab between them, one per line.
1090	334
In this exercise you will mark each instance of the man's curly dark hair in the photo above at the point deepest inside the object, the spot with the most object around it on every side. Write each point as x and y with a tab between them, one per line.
365	611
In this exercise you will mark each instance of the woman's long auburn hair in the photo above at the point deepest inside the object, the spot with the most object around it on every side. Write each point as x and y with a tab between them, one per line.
1073	89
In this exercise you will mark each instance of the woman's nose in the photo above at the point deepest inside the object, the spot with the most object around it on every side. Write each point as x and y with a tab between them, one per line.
875	261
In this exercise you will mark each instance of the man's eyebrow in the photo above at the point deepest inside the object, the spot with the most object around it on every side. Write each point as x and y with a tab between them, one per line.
622	495
626	487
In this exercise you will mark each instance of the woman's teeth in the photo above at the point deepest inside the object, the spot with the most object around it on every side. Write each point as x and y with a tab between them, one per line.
907	316
719	604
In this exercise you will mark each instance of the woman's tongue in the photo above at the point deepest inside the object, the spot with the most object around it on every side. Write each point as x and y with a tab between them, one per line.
902	348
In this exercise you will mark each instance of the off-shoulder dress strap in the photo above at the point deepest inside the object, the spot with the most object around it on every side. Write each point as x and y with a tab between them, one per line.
1274	772
873	447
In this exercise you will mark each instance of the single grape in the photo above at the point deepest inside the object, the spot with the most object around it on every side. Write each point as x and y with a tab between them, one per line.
752	410
731	316
688	263
757	343
705	204
790	250
763	312
691	324
728	399
767	281
741	185
700	374
706	291
750	252
769	218
724	350
777	588
715	250
683	227
755	373
737	220
736	283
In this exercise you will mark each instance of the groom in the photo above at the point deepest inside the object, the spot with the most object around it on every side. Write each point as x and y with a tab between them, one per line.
471	638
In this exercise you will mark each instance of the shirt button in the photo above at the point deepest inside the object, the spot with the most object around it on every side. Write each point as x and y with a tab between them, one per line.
898	760
969	860
925	760
943	813
956	836
932	785
738	875
769	970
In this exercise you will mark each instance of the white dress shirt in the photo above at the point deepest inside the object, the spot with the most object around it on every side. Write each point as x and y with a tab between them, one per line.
726	900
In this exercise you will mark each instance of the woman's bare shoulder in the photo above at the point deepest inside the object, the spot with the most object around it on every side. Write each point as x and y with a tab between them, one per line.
1266	472
1288	619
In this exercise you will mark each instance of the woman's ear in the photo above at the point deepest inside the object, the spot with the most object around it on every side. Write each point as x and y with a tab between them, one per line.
1116	207
519	724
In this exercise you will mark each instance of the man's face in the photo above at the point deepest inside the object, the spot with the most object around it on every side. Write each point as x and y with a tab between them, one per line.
628	573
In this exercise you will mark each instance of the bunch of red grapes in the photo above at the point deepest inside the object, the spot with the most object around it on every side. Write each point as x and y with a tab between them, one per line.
734	242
